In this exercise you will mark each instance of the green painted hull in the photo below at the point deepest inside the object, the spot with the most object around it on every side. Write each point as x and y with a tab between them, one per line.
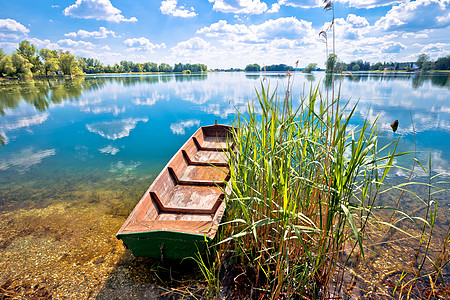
172	245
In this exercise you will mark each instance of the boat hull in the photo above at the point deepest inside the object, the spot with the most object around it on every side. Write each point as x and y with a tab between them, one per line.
164	244
181	210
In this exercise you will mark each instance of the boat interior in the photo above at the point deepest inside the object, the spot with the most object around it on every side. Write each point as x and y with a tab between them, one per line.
187	195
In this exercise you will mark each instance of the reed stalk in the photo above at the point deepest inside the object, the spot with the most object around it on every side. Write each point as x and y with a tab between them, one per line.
303	187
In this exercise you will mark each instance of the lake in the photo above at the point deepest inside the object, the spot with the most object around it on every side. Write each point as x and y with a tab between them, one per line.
80	153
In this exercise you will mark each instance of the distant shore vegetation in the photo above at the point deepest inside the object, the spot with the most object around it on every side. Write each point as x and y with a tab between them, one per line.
27	61
423	63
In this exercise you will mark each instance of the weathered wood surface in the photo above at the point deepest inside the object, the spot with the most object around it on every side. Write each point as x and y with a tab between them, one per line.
187	195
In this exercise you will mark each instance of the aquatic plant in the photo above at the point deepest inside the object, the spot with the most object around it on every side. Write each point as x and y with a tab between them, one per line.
424	276
303	185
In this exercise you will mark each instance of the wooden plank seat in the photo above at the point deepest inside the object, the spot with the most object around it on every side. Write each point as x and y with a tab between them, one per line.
211	145
205	159
196	156
188	200
183	173
196	182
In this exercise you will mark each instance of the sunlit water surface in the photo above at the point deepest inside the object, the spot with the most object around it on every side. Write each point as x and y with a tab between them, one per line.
89	147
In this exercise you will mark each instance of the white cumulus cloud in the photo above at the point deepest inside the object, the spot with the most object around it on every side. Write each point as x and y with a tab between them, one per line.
274	8
75	44
194	45
351	28
369	3
392	47
281	28
96	9
239	6
302	3
142	44
44	43
169	7
416	15
434	50
10	28
102	33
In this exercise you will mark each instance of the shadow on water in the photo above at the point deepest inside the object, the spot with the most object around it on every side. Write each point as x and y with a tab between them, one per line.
150	278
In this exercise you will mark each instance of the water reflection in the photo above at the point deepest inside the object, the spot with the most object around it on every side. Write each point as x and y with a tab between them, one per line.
310	77
41	93
25	159
180	128
252	76
417	79
127	109
116	129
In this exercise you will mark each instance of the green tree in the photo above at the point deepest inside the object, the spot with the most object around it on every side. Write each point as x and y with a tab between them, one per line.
29	51
26	49
163	67
137	67
252	68
442	63
356	67
280	67
428	65
311	67
126	65
331	63
82	64
21	65
377	66
422	59
340	67
6	65
50	58
120	69
90	65
154	67
68	64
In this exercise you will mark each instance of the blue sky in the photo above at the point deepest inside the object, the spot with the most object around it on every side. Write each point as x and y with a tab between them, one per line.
229	33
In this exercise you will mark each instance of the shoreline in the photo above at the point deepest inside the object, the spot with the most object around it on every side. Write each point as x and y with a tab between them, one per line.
5	79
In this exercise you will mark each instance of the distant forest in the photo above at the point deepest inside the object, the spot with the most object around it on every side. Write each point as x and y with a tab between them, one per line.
27	61
423	63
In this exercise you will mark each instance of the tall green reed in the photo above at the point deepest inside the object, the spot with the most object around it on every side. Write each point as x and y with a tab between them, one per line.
303	187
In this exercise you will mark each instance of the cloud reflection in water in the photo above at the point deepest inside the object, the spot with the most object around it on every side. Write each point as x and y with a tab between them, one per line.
25	159
115	129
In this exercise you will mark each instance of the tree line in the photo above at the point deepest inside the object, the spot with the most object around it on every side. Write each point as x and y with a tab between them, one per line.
27	61
257	68
92	66
423	63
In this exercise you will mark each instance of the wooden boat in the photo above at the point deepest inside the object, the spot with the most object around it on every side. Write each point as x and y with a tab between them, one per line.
182	208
